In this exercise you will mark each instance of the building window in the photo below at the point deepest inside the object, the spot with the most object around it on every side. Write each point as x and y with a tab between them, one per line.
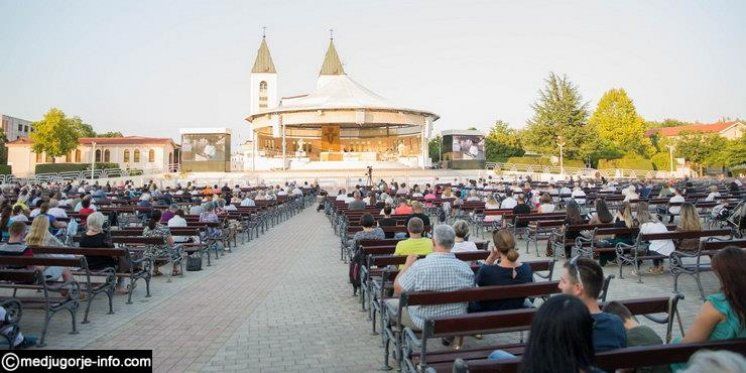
98	155
107	155
126	155
38	158
151	155
25	128
170	158
136	156
20	128
262	94
77	155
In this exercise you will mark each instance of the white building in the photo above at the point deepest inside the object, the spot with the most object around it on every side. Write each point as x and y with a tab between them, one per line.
129	152
16	128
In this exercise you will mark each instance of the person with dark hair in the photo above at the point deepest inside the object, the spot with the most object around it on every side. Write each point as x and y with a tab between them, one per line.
521	206
723	316
369	232
573	218
503	268
155	229
637	335
85	209
584	278
560	340
602	214
387	220
5	221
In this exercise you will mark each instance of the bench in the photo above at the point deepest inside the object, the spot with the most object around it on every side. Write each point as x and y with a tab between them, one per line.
558	238
13	312
174	251
637	252
540	230
679	259
623	358
508	321
48	295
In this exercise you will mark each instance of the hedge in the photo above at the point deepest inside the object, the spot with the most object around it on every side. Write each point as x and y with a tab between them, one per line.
45	168
661	161
625	163
5	169
544	161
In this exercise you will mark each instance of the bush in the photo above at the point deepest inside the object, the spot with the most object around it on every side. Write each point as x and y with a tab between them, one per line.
625	163
4	169
661	161
46	168
544	161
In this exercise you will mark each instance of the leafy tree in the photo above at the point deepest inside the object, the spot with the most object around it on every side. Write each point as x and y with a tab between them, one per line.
110	134
502	143
3	149
702	150
617	123
665	123
55	134
83	129
559	111
735	152
434	148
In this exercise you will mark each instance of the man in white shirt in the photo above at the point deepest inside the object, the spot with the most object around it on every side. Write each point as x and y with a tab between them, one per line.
509	202
248	201
55	210
178	221
297	191
342	196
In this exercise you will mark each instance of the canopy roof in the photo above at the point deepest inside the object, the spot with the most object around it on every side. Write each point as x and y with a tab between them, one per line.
335	90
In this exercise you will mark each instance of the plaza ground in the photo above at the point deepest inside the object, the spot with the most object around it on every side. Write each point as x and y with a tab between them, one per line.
279	303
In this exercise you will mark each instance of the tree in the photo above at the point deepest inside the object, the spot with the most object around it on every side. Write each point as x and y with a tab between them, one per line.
110	134
434	148
55	134
502	143
617	124
665	123
83	129
559	111
702	150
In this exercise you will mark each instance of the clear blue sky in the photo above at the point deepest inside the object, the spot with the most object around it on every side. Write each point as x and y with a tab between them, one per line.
151	67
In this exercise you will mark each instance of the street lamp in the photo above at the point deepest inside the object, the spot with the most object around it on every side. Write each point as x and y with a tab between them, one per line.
93	159
670	152
561	144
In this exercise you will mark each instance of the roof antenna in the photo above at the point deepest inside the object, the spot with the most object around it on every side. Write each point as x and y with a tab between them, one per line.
331	34
264	32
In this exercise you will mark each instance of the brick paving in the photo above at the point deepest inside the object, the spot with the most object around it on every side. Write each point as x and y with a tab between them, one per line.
278	303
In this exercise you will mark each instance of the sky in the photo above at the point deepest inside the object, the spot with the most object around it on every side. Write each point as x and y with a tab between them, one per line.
151	67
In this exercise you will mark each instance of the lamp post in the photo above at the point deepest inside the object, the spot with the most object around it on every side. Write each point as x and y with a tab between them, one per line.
561	144
670	153
93	160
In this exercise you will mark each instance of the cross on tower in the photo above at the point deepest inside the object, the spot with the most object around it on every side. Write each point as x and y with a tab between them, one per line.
264	32
331	33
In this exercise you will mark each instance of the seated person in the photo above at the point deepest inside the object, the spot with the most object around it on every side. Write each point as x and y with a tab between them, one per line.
16	247
689	222
545	204
168	214
508	202
418	211
96	237
637	335
387	221
439	271
584	278
369	232
415	244
649	224
178	221
403	208
461	228
503	268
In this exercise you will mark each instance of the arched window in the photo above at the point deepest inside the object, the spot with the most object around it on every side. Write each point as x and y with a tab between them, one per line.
107	155
262	94
126	155
136	156
77	155
98	155
151	155
170	158
39	157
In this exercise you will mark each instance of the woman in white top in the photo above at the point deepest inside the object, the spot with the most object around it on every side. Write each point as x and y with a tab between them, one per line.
578	195
649	224
545	203
473	196
677	198
713	193
462	231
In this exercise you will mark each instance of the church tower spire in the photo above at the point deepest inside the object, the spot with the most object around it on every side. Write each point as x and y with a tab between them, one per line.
263	79
332	65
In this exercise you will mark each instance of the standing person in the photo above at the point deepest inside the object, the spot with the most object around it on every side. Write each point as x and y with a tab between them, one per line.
503	268
560	341
584	278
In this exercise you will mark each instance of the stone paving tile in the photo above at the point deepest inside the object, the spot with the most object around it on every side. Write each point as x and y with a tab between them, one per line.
279	303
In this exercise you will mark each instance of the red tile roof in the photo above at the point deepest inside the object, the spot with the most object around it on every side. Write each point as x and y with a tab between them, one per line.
702	128
127	140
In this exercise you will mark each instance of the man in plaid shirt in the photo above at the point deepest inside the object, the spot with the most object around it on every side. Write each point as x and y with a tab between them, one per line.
439	271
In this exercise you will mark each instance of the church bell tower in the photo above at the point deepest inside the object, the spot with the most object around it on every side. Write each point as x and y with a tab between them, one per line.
263	80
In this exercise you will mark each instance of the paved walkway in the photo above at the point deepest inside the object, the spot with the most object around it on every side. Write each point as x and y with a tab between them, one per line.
279	303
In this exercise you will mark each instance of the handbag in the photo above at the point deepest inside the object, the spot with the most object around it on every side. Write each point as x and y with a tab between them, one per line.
194	262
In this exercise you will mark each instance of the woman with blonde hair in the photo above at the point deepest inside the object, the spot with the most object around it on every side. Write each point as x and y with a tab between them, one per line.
689	222
649	224
39	235
503	268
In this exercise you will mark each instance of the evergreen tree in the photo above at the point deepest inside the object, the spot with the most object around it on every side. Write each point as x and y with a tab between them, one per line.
559	111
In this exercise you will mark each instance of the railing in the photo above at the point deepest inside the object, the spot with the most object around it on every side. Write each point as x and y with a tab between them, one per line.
575	171
83	175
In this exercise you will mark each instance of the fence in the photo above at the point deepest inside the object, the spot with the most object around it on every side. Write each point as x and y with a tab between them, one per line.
83	175
577	171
